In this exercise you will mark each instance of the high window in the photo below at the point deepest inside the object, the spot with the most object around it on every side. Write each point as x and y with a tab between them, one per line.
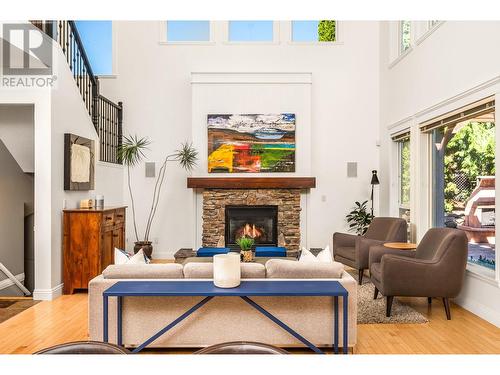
97	38
404	36
404	176
251	31
314	31
188	31
403	146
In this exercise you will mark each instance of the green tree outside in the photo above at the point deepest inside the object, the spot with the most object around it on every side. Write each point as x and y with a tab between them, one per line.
469	153
405	35
326	31
405	172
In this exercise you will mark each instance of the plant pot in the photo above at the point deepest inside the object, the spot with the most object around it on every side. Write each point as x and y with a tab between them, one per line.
247	256
146	247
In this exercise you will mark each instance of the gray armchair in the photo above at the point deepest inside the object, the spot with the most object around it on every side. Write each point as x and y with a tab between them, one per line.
353	250
435	269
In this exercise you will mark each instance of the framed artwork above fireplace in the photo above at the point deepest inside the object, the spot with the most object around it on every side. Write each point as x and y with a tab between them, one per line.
251	143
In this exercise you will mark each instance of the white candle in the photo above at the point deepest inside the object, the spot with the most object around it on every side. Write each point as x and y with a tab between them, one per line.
227	271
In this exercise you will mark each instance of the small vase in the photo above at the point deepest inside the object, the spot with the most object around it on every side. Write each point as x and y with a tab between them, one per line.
146	247
246	256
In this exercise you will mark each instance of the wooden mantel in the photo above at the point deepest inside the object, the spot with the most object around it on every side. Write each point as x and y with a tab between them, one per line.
251	182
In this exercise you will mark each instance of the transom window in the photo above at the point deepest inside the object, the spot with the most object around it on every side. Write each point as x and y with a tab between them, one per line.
251	31
314	31
188	31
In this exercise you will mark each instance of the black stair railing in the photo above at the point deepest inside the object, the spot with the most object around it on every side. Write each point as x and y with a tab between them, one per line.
106	115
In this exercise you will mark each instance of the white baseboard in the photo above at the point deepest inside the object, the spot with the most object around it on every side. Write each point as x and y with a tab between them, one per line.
479	309
4	284
48	294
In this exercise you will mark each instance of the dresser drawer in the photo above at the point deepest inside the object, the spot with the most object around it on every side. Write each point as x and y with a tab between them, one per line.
119	216
108	218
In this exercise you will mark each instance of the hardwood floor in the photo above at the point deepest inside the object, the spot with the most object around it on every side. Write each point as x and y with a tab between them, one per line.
45	324
65	319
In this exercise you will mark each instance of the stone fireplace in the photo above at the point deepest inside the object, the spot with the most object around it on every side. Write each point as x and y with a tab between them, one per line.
272	211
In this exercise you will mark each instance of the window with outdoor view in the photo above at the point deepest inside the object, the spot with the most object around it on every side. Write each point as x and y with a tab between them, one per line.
404	178
97	38
314	31
188	31
251	31
404	36
464	183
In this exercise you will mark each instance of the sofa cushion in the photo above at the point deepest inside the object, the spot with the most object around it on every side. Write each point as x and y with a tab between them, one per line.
289	269
195	270
143	271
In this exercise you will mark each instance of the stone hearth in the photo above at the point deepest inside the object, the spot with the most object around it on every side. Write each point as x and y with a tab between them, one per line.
287	200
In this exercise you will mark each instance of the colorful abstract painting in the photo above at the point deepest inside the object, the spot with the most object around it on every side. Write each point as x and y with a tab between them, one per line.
251	143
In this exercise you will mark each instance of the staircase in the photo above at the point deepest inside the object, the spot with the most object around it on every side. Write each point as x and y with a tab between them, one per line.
105	115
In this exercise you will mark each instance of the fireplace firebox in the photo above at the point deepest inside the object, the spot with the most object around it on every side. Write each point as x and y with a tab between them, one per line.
258	222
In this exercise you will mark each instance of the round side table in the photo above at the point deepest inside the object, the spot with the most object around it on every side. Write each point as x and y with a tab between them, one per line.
401	245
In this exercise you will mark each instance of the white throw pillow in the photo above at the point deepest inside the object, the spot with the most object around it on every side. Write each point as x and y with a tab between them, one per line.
121	256
325	255
138	258
307	256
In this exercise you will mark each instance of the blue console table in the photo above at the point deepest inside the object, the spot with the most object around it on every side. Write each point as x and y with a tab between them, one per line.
246	290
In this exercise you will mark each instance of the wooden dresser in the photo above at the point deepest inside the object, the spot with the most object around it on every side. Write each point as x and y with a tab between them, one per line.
90	236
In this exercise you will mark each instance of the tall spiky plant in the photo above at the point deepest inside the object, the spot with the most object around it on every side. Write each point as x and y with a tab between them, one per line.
186	156
131	153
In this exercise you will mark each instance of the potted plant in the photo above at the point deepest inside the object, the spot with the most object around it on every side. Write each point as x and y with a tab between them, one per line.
132	152
245	243
359	218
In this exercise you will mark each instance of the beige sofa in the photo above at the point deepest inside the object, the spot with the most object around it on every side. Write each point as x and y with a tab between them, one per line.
227	318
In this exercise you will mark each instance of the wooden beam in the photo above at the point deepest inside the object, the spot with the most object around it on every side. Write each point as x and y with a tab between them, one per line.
251	182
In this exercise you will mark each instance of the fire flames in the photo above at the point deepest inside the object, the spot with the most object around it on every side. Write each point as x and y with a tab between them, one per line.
250	230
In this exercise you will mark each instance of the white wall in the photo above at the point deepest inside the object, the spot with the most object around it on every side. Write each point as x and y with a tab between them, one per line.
153	81
69	115
57	111
445	71
16	202
239	93
16	132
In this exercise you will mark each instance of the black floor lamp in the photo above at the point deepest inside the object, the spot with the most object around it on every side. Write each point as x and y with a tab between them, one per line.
374	182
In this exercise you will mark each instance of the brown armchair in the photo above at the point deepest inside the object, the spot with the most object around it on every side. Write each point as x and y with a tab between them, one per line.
241	347
84	347
353	250
435	269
